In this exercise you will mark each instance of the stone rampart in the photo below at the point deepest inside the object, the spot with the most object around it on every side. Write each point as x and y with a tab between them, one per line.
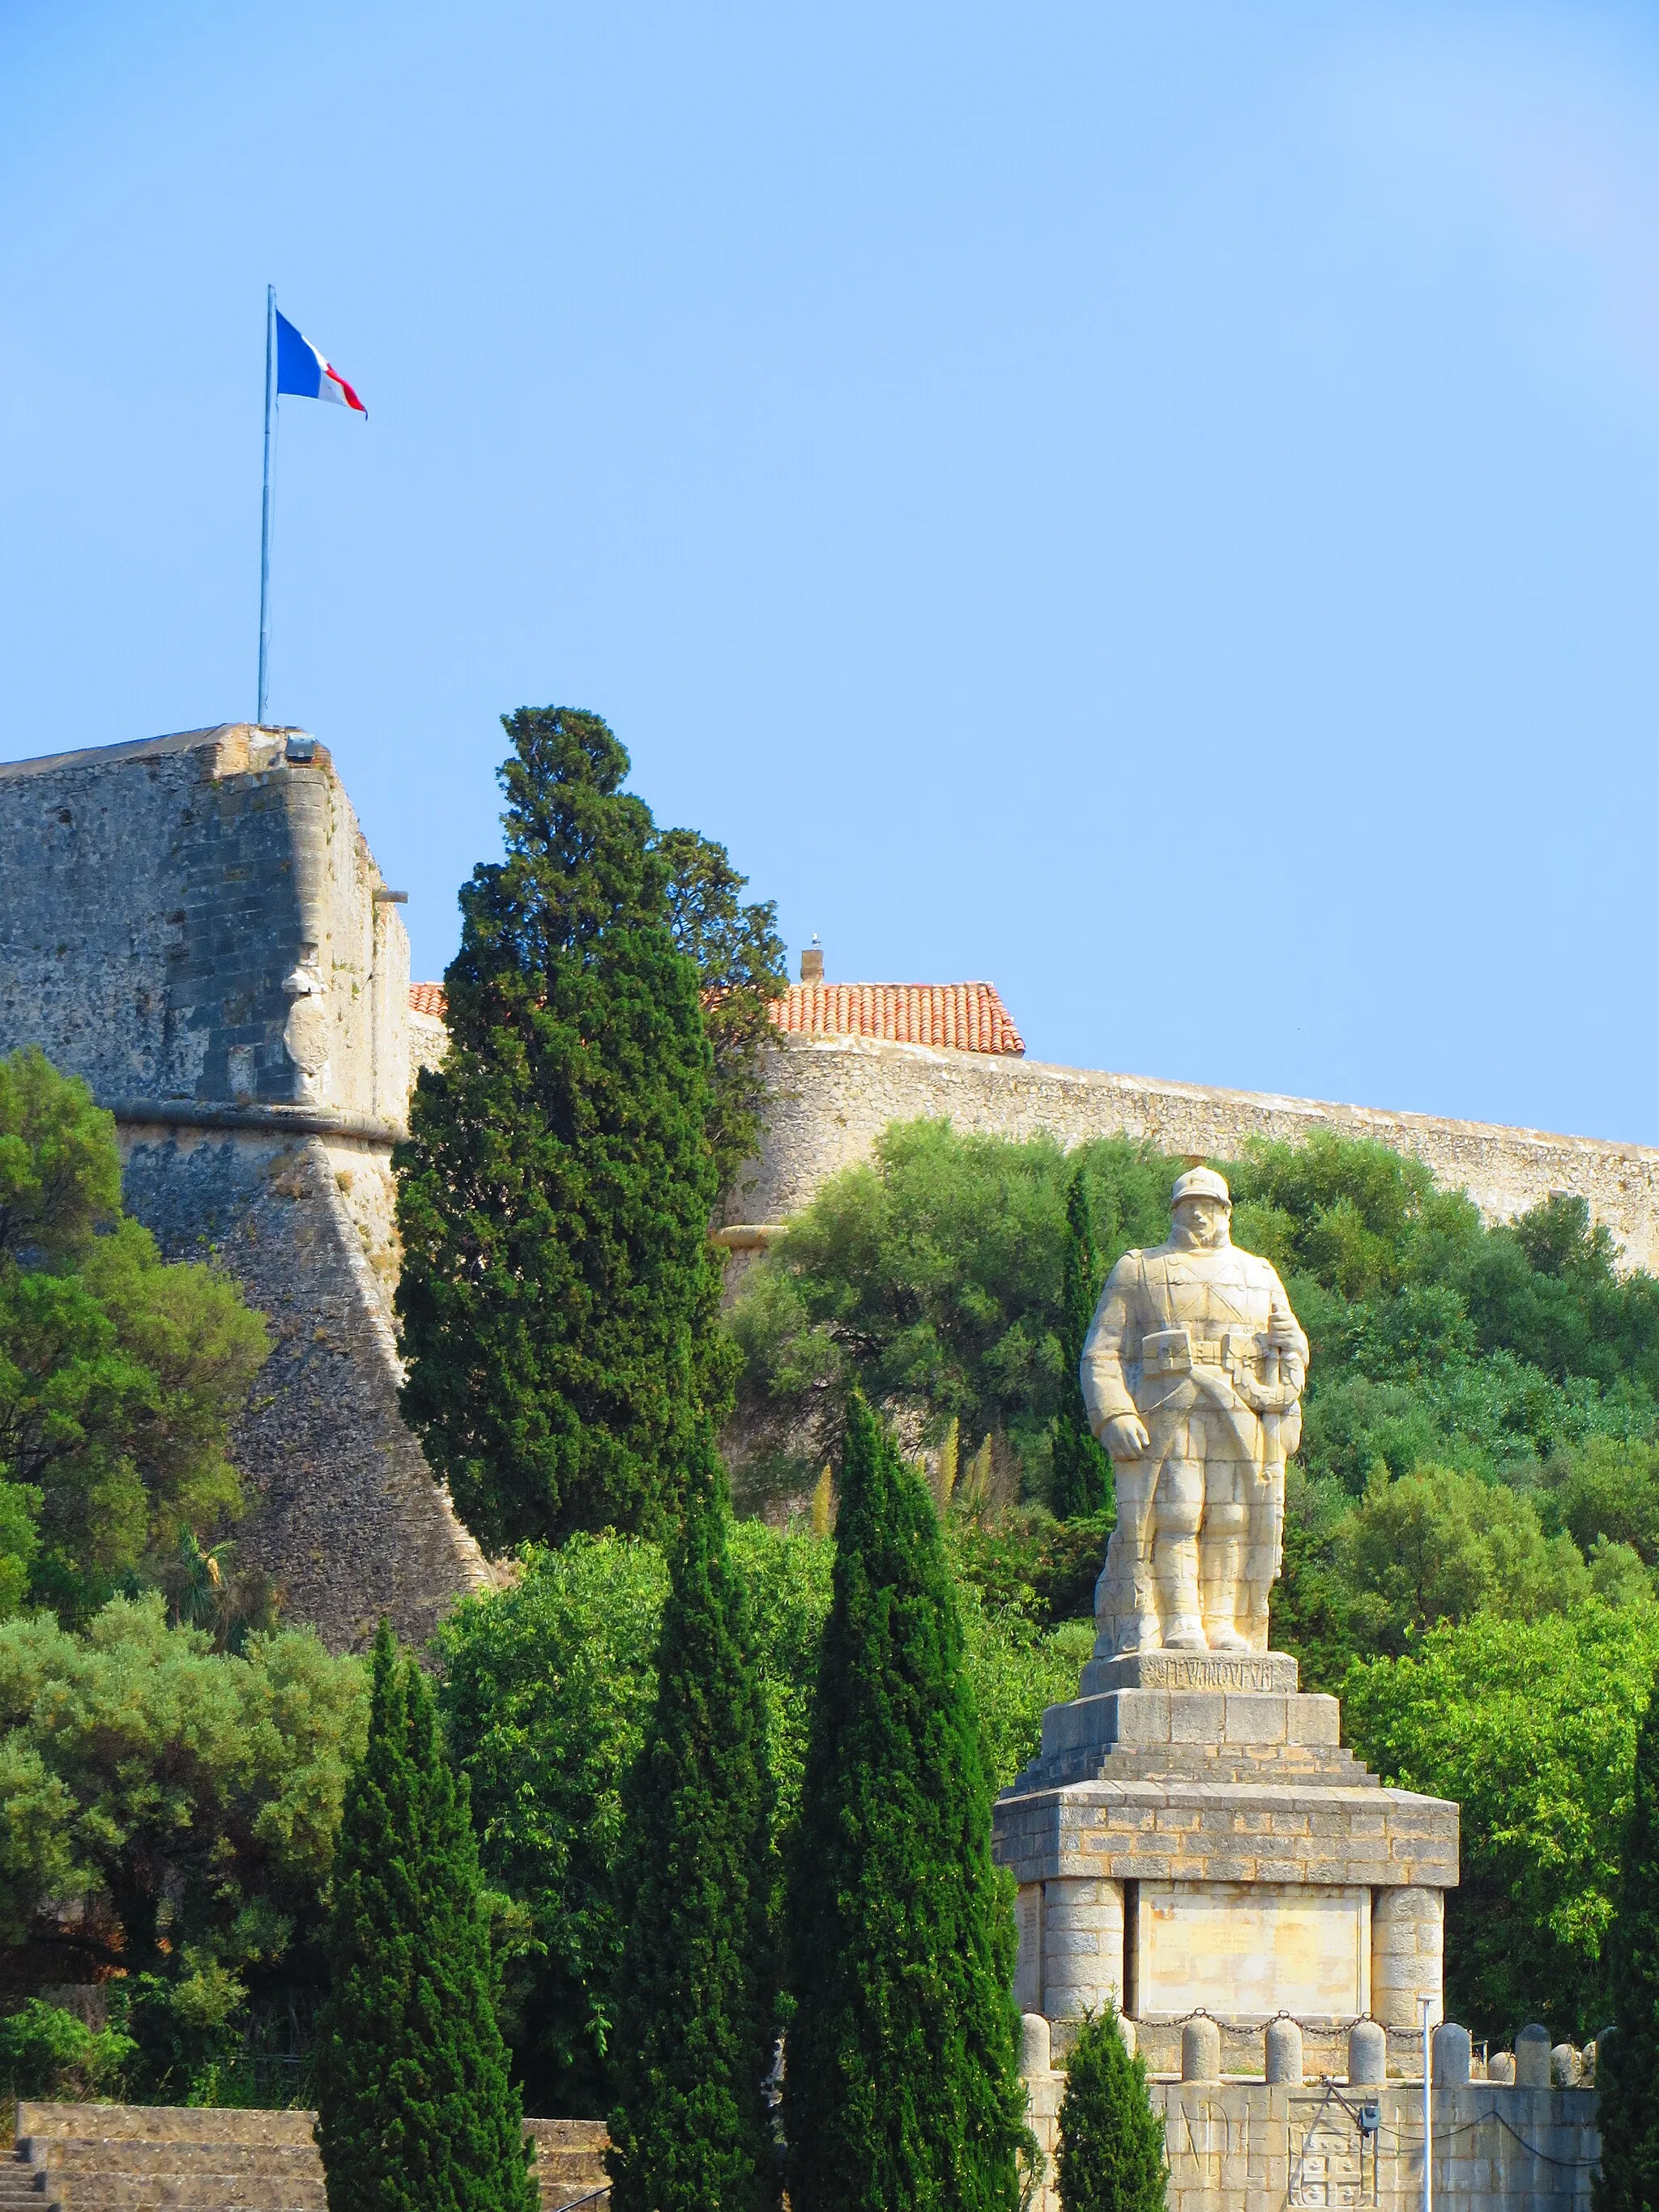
1237	2144
832	1098
196	926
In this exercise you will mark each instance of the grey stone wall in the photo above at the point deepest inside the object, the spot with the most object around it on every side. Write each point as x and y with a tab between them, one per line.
196	926
1253	2146
194	920
831	1098
342	1509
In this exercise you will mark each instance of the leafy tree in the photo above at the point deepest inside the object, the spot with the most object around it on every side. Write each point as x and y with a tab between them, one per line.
1437	1545
1610	1492
1531	1726
555	1193
546	1689
1110	2155
46	2051
934	1275
415	2111
170	1811
1082	1472
1627	2061
119	1374
739	957
902	2089
697	1993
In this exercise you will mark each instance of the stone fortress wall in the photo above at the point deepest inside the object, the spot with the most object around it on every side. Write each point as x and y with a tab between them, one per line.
196	926
833	1096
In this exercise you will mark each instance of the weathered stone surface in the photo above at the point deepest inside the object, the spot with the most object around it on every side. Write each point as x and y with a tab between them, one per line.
1192	1373
1532	2056
1171	1830
1252	2145
194	920
196	926
1273	1674
833	1096
119	2156
1252	1948
342	1509
1282	2053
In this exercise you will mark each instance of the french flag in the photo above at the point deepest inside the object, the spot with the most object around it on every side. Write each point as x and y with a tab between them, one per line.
301	370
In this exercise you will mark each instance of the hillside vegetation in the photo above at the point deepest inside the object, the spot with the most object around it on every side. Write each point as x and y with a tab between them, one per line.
1473	1524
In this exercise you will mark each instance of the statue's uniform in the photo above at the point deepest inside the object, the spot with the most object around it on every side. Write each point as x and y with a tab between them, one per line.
1181	1338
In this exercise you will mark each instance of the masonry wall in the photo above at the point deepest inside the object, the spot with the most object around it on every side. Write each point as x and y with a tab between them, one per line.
1240	2146
343	1512
195	925
831	1098
195	919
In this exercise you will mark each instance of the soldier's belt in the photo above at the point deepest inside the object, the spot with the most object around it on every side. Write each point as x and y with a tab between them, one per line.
1176	1351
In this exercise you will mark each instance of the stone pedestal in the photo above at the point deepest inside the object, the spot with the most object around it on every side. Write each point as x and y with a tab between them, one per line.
1193	1839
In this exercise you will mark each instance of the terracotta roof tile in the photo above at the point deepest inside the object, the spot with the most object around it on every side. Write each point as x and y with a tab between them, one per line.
958	1017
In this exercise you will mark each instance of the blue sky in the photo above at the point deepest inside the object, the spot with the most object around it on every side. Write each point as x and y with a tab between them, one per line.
1153	507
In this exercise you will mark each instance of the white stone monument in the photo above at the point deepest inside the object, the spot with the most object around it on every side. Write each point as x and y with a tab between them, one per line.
1192	1838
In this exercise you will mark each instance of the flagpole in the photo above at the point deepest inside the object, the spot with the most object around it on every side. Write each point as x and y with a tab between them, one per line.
264	508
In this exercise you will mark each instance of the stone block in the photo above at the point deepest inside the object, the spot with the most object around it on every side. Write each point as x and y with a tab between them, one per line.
1532	2057
1282	2052
1201	2051
1368	2055
1449	2054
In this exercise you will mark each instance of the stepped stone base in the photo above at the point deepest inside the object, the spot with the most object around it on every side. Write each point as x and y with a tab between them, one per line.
1193	1836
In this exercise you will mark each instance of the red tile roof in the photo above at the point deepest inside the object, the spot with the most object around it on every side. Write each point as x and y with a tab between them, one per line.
958	1017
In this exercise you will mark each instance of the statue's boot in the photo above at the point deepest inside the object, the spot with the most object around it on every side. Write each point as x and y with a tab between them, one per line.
1223	1566
1176	1563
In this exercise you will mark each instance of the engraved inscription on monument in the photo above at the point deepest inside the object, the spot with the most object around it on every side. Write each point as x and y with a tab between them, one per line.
1193	1376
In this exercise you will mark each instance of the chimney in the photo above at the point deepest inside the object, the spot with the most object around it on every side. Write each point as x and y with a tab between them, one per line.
811	962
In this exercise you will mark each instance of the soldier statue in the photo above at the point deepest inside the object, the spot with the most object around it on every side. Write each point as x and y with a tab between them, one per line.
1193	1374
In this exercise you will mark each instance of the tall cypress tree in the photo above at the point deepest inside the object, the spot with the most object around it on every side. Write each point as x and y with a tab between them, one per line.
902	2091
697	2010
1082	1472
1111	2155
556	1297
415	2110
1627	2061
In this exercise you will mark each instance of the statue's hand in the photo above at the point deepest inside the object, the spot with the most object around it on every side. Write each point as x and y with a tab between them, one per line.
1284	1334
1124	1436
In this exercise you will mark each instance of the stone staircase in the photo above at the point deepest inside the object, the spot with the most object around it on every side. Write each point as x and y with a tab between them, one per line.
140	2158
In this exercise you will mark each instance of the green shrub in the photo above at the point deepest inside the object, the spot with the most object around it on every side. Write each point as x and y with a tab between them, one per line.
1531	1726
698	1990
1111	2155
46	2051
119	1374
902	2091
1627	2060
414	2108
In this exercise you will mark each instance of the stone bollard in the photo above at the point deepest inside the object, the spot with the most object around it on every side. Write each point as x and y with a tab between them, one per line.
1368	2055
1532	2057
1201	2051
1450	2054
1500	2068
1567	2068
1284	2053
1125	2028
1034	2049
